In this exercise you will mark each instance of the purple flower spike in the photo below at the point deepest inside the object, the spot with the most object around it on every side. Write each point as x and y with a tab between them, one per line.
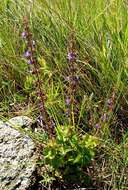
27	54
24	35
71	56
97	126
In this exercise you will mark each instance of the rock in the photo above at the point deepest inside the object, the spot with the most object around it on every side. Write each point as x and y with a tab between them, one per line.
17	155
20	121
24	122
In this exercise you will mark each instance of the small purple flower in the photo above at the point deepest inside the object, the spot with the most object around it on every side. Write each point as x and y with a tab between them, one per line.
71	56
109	102
67	113
27	54
97	126
68	101
104	117
23	35
30	62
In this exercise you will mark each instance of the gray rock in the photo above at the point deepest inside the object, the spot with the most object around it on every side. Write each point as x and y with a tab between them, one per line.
17	156
20	121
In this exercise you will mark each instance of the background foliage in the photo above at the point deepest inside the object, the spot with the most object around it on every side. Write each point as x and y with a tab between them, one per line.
100	28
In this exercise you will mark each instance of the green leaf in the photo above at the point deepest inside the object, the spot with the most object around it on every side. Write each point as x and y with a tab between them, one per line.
78	159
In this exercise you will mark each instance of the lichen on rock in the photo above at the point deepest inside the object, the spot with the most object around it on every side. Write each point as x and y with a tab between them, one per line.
17	156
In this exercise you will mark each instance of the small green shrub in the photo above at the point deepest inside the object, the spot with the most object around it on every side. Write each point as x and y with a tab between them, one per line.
69	153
